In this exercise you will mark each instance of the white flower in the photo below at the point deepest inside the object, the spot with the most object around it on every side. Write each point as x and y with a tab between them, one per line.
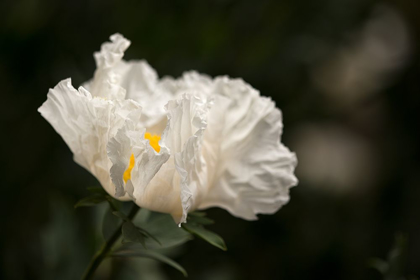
174	146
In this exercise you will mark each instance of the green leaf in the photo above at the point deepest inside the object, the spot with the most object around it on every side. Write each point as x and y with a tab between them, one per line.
110	224
206	235
113	203
197	214
99	190
163	228
90	200
120	215
149	254
147	234
132	234
200	220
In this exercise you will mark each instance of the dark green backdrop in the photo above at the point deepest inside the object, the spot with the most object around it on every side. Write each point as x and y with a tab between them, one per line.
345	73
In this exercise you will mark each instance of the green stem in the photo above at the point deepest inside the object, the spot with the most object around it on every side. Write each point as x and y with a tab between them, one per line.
102	253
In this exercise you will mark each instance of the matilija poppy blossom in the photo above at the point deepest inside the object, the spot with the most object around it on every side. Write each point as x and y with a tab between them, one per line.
174	145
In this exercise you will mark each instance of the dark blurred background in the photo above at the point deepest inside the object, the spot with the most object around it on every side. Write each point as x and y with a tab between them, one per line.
345	73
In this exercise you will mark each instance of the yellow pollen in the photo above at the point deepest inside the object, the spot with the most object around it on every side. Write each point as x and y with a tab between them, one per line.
153	140
127	173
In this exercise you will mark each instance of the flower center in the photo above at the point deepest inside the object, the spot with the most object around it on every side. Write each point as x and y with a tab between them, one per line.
154	142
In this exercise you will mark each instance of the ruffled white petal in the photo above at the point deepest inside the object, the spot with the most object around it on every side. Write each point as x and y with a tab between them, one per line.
190	81
111	52
229	155
182	178
106	81
86	124
121	147
188	117
142	84
249	170
136	80
252	171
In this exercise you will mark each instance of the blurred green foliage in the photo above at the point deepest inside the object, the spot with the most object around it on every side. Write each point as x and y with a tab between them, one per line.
344	72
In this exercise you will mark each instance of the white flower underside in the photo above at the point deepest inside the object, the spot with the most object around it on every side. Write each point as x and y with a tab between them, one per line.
220	140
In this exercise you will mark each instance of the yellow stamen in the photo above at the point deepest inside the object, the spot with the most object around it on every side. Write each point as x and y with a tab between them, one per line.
153	140
127	173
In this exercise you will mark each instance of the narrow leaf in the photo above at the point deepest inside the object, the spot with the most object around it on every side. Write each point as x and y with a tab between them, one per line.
200	220
132	234
114	204
206	235
120	215
90	200
143	232
163	228
151	255
197	214
146	233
